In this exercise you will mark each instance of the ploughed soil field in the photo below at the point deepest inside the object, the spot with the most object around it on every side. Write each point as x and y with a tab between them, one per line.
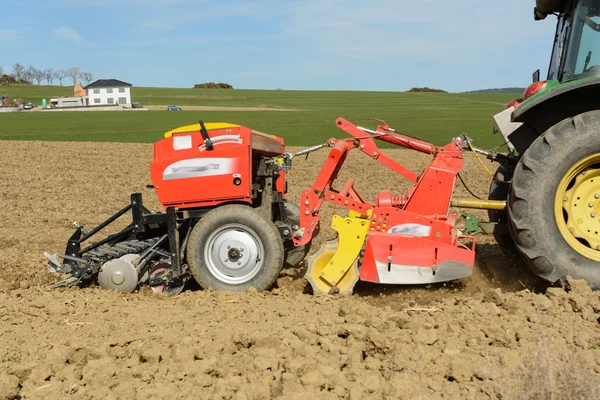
499	334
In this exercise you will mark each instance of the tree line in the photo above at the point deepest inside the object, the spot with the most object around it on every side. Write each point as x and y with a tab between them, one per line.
23	74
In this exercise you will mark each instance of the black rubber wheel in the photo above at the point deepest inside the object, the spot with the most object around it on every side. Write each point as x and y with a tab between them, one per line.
294	255
233	247
499	190
532	219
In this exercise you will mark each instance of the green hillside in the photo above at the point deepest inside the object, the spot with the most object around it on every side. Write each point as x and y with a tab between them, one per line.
435	117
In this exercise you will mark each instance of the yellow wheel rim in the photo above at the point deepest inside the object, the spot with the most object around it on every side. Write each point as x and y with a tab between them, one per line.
577	207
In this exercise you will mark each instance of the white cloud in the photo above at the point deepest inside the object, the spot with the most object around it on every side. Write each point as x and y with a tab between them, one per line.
68	34
428	30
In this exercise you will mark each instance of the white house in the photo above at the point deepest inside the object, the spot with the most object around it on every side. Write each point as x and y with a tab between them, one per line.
108	91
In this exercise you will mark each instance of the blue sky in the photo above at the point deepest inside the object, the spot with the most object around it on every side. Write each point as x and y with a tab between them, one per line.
294	44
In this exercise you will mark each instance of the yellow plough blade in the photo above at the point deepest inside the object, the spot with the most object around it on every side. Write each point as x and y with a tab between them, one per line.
335	266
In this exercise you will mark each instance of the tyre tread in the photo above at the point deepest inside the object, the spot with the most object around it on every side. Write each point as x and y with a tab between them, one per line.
540	250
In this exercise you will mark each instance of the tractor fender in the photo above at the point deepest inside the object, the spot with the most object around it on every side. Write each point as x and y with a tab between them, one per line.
540	114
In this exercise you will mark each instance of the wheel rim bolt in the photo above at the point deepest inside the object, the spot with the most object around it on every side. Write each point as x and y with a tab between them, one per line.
565	198
571	230
591	204
593	214
597	247
597	195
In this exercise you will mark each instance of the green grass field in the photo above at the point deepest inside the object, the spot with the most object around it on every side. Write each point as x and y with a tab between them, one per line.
433	117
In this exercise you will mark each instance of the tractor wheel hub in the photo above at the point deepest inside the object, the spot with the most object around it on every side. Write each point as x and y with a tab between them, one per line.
234	254
577	207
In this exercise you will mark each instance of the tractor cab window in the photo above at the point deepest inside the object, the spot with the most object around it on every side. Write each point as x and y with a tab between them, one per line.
583	58
562	33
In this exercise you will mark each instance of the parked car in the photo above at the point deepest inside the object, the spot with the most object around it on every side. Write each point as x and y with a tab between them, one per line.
173	108
135	104
28	106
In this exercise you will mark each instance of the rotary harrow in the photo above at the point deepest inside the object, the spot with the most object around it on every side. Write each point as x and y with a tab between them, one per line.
227	222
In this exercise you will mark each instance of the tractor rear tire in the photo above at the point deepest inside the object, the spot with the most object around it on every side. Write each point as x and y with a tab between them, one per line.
233	248
499	190
537	215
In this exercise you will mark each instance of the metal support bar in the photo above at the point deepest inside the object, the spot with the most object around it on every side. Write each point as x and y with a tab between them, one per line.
479	204
104	224
173	233
71	258
137	212
151	249
145	257
309	150
124	232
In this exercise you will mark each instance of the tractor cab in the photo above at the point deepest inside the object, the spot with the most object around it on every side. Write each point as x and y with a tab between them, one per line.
576	51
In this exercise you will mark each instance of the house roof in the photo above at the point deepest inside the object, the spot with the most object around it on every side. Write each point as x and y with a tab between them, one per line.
100	83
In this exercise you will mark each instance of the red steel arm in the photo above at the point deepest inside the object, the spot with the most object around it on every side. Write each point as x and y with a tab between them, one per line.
312	199
431	194
367	145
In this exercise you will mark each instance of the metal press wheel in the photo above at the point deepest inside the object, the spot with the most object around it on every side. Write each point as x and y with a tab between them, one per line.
234	254
233	247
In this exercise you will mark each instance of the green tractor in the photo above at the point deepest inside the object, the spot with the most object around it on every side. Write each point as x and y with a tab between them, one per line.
551	179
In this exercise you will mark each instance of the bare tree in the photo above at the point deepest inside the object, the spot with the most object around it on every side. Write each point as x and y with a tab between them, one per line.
49	75
60	74
36	74
86	77
73	73
1	70
18	70
28	73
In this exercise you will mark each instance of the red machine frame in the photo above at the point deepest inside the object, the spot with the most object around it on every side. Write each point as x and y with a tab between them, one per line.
425	207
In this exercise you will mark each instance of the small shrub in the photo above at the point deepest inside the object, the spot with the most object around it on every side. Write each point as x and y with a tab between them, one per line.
212	85
426	90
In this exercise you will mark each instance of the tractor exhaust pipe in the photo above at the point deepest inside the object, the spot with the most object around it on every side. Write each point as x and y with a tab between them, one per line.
479	204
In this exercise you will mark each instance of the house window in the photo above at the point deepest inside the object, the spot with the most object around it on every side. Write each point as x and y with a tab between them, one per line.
96	101
109	90
121	90
110	100
96	91
122	100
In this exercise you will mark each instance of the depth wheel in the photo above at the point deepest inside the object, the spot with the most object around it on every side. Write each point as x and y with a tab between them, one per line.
554	211
234	248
